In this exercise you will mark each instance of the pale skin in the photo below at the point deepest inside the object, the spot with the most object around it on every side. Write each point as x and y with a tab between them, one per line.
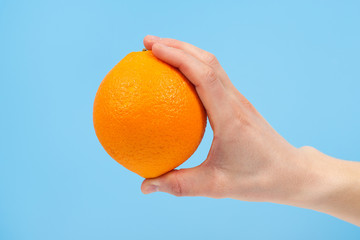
248	160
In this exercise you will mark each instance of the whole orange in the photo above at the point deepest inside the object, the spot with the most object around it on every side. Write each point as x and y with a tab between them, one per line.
147	115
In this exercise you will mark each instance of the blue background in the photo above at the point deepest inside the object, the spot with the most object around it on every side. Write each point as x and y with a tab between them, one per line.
297	61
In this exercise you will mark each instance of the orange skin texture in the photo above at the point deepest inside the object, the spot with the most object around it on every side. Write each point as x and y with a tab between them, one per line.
147	115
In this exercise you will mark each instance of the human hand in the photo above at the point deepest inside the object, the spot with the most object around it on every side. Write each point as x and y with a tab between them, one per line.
248	159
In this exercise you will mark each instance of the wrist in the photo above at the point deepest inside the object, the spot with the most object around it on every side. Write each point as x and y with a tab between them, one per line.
301	179
319	180
330	186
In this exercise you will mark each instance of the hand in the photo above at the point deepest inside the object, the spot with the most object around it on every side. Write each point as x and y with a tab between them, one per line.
248	160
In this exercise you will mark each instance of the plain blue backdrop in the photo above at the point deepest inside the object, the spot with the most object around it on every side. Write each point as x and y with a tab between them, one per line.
298	62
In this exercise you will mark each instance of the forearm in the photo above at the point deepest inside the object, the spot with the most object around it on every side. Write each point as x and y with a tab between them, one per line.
333	186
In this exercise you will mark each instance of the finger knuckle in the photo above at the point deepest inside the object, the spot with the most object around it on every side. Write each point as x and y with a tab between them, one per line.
210	76
241	118
242	121
243	111
177	186
238	121
211	59
247	104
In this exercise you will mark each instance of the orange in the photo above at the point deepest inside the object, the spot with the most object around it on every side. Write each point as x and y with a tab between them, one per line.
147	115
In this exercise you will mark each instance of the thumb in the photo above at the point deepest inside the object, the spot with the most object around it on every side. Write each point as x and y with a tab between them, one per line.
183	182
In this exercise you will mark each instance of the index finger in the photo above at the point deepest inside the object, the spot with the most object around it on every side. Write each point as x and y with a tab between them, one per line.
208	86
202	55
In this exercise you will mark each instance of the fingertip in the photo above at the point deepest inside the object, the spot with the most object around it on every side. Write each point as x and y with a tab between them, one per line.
147	44
149	186
149	40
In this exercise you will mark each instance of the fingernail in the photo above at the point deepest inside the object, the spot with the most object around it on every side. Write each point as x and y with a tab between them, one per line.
153	38
151	188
